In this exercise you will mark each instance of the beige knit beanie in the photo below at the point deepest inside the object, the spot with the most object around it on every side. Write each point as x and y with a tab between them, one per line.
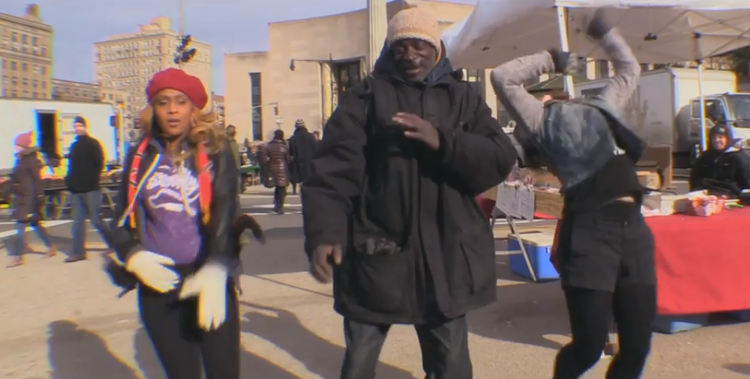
414	23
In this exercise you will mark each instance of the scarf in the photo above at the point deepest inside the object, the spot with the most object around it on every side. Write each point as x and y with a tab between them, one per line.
203	163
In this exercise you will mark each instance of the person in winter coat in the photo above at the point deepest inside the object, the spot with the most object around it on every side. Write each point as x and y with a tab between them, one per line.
389	211
276	159
173	230
724	167
85	165
301	149
28	199
605	248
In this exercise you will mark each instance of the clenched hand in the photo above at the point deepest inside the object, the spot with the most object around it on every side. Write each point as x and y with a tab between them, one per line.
323	259
417	128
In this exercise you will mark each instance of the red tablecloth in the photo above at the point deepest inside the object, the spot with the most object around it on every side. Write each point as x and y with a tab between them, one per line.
702	263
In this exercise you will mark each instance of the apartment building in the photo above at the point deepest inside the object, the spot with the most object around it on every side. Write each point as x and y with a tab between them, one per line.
125	63
25	55
69	90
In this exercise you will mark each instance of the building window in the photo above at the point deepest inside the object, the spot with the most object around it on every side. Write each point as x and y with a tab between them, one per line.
14	37
34	41
13	65
25	39
24	67
44	51
476	81
601	69
256	102
44	84
44	70
348	75
36	95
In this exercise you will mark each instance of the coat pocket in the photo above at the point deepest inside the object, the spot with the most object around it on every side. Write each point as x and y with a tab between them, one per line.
474	268
380	281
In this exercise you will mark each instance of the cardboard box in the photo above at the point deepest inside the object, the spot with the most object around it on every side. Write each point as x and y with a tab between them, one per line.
649	179
548	203
667	204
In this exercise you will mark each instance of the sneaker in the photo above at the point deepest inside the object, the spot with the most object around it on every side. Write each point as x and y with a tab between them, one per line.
15	262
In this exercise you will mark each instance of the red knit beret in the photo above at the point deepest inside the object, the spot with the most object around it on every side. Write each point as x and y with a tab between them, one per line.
179	80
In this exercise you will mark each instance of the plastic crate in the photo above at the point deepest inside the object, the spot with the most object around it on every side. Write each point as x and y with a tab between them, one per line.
670	324
538	246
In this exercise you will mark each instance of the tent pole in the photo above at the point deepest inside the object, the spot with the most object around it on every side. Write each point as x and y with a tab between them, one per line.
562	22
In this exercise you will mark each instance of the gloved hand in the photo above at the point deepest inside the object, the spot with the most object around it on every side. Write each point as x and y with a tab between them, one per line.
598	27
209	285
564	61
323	259
151	269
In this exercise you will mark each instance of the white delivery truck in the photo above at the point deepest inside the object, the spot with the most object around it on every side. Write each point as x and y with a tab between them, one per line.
665	110
51	121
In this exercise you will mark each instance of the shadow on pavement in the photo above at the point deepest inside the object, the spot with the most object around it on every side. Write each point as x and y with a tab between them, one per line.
524	312
319	356
76	353
740	368
251	365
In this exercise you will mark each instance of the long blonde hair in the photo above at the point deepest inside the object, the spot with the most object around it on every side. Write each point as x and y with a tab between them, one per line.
203	130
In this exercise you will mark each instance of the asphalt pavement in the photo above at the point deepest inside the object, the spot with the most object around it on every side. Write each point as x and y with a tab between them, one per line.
64	321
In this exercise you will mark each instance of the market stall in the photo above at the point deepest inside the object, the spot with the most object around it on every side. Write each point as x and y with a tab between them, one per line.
702	262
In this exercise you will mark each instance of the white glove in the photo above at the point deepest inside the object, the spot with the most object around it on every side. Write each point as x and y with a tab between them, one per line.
209	284
151	270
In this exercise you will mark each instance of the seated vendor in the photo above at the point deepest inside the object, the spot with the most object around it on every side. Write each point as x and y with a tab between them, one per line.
723	168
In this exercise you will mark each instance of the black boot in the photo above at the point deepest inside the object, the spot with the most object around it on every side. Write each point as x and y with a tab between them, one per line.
282	198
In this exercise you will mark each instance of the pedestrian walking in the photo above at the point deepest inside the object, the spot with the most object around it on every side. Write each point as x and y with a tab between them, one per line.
28	199
276	158
390	214
605	247
301	149
173	230
85	165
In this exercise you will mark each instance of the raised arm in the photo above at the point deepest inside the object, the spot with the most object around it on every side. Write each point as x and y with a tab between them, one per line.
508	78
620	87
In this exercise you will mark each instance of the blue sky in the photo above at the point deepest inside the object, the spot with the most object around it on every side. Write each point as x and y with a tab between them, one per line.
228	25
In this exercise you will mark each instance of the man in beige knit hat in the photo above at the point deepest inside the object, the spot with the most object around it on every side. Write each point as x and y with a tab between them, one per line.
390	215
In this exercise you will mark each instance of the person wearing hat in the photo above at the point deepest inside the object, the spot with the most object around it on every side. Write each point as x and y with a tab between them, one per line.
28	199
604	247
724	168
85	165
172	230
301	149
389	212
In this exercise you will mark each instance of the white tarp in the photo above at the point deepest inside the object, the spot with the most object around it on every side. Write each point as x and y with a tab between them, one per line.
658	31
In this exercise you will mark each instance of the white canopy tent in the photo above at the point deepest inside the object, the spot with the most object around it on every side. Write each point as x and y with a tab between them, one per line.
658	31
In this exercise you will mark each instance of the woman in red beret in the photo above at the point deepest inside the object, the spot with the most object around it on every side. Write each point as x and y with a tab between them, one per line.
173	231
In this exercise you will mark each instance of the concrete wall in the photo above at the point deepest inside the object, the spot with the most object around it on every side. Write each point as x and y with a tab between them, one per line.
299	92
237	102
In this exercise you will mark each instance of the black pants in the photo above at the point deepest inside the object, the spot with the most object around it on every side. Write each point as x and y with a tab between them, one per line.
279	196
607	268
172	326
633	306
445	349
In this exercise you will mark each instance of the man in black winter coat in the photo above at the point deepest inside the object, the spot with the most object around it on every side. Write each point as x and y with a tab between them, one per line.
301	150
390	213
724	168
85	165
